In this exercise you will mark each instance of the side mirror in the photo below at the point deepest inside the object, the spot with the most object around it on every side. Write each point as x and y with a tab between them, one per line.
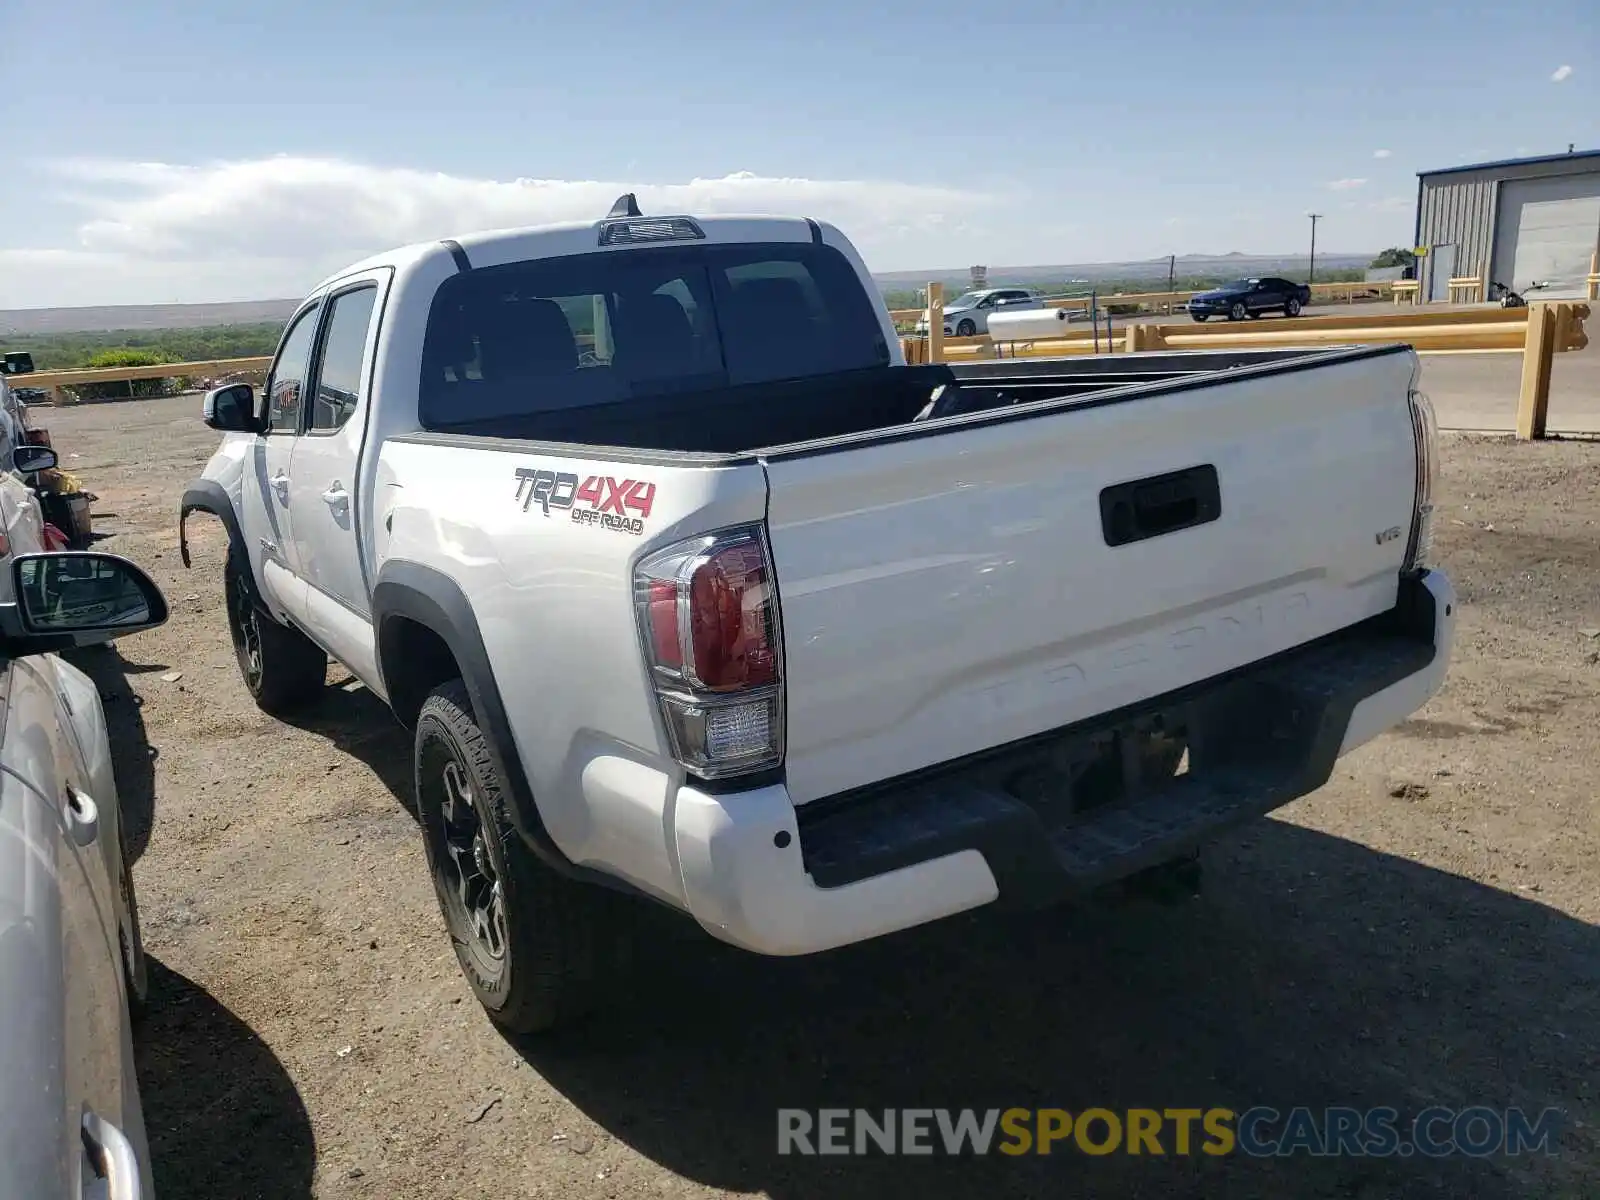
17	362
29	458
231	409
76	599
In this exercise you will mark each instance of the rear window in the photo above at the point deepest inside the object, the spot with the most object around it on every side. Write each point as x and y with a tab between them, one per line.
573	332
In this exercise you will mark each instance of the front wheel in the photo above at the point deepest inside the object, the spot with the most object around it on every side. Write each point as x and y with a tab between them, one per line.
532	943
966	329
1238	312
1292	308
281	667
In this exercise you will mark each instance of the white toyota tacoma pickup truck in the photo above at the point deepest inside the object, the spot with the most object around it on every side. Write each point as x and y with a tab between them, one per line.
692	589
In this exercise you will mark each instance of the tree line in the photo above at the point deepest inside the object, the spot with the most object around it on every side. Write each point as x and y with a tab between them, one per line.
144	347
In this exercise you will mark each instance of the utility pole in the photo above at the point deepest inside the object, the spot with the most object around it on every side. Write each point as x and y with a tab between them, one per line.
1172	279
1311	270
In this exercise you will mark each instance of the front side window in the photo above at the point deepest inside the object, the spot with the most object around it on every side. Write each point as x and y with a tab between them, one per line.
593	329
286	383
343	351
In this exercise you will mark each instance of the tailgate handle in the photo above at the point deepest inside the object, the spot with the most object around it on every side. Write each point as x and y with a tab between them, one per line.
1147	508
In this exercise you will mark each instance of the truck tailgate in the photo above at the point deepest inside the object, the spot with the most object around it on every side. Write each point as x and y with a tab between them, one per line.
963	585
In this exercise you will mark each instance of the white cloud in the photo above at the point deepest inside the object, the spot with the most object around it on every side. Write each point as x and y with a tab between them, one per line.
1382	153
1345	185
1392	204
278	224
1560	73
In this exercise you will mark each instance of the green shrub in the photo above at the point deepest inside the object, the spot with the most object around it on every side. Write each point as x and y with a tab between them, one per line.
124	356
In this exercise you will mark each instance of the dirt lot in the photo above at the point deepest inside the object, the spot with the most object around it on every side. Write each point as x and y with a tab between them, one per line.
1421	931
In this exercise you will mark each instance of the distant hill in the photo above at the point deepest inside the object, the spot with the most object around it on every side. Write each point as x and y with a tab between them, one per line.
142	316
1153	269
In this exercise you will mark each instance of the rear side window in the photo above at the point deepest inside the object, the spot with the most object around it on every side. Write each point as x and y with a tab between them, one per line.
343	350
592	329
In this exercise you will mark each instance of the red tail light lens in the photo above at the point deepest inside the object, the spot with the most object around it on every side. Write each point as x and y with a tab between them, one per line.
730	620
709	620
663	623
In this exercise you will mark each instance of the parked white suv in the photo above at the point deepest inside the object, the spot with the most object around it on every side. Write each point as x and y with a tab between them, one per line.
692	589
968	314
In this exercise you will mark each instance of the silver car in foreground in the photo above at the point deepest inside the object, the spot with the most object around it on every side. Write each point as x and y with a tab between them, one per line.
71	963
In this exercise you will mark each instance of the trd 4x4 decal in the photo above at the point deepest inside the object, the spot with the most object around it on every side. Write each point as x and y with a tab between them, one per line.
598	500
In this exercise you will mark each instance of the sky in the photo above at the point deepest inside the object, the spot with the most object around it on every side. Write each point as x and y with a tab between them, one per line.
167	151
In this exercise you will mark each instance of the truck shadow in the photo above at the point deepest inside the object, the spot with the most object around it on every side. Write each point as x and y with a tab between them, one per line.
361	725
222	1115
1313	971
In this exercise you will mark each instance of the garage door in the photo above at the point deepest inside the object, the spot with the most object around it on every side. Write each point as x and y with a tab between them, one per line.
1546	232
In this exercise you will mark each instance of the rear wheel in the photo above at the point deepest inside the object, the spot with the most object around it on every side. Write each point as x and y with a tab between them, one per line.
533	944
281	667
1292	308
1238	312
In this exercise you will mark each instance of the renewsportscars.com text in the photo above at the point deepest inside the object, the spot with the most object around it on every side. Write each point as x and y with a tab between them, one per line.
1478	1132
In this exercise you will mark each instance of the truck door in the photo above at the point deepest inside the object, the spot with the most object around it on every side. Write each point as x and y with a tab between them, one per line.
323	510
267	485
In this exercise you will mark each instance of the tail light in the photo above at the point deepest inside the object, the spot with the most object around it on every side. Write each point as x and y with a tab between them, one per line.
708	618
1425	431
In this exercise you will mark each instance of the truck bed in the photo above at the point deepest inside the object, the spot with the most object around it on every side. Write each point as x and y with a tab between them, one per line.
744	421
1075	537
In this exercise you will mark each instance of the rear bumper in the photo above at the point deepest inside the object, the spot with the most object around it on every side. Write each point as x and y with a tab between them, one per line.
1012	826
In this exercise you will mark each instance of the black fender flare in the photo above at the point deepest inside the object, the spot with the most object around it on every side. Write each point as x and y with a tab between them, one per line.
206	495
411	591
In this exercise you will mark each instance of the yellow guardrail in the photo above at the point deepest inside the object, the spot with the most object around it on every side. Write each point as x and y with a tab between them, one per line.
55	381
1538	332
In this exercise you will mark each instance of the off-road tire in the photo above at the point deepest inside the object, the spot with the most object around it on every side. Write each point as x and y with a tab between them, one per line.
282	669
558	937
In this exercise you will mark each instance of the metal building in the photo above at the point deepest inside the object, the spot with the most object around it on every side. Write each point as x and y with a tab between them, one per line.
1528	220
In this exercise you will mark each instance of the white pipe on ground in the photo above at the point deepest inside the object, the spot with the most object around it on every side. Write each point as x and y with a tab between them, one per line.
1028	325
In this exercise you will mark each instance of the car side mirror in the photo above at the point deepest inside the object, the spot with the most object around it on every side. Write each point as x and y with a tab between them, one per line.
231	409
76	598
30	458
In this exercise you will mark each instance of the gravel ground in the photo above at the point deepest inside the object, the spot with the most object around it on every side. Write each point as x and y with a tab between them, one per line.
1420	931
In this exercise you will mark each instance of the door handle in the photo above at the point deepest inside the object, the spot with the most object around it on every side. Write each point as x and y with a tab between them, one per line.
336	496
83	817
112	1156
280	484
